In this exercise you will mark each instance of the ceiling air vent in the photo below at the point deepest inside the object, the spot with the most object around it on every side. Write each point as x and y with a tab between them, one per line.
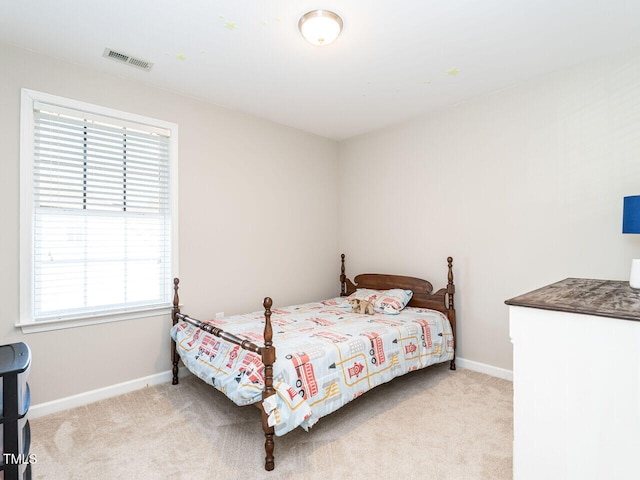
128	59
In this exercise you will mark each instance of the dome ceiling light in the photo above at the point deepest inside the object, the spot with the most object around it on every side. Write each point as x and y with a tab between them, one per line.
320	27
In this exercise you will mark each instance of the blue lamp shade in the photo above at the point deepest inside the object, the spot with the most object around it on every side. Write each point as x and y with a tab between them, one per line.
631	215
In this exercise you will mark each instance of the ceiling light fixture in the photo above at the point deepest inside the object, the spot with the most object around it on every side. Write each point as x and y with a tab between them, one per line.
320	27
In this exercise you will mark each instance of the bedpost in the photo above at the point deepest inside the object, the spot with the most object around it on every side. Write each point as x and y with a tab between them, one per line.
451	290
343	278
175	310
268	359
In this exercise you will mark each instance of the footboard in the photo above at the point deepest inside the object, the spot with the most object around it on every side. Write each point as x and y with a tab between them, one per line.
268	354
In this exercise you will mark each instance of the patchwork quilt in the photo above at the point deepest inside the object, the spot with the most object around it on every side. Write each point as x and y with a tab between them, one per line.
326	356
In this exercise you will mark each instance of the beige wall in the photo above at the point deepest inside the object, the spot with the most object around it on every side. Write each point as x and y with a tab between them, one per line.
252	194
523	188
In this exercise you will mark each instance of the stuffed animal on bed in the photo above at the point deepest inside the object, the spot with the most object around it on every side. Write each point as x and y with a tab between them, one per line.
361	306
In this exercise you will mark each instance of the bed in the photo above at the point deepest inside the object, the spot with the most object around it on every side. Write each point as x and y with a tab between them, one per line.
328	355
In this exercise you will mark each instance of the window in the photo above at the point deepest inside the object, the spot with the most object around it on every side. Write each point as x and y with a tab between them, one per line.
98	213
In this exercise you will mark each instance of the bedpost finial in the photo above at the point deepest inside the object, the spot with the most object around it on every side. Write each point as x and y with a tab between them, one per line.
267	303
449	260
343	278
176	300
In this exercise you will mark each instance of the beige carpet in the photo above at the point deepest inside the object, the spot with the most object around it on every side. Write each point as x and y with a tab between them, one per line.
432	423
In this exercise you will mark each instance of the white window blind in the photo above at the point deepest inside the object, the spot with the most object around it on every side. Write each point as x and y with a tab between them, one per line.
101	214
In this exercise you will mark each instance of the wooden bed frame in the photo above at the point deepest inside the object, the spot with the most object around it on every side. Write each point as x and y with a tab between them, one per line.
423	297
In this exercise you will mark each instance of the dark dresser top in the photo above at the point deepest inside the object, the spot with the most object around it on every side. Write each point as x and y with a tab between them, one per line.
605	298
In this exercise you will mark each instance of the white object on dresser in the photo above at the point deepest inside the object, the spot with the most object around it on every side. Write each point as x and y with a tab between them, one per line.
634	279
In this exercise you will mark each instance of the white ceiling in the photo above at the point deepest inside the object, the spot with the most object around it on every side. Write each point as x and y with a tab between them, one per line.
393	61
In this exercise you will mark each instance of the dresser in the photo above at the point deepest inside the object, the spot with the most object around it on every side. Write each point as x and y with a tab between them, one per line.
576	381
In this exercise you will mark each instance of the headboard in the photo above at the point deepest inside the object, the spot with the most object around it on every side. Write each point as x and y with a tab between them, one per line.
423	296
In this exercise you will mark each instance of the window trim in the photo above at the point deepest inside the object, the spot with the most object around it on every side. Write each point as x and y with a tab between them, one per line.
27	133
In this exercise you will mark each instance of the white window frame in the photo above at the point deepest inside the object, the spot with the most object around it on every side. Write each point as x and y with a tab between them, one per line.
27	133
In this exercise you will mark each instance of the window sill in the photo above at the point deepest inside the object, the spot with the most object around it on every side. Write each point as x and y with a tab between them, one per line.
59	324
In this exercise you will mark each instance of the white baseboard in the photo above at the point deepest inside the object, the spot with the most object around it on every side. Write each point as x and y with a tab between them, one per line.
484	368
54	406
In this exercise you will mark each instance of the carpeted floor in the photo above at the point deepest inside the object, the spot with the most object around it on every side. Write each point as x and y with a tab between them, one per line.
432	423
